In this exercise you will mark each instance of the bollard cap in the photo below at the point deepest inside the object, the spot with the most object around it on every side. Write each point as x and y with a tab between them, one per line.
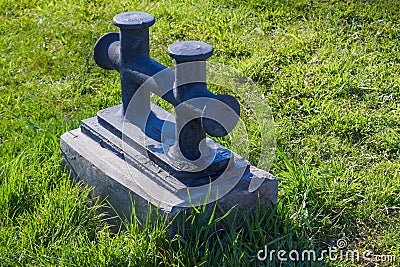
190	51
133	20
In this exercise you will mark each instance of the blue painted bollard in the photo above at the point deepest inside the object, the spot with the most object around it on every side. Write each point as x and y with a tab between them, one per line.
138	152
195	106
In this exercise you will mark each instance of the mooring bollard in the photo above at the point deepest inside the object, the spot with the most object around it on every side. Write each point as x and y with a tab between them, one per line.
128	53
138	152
190	83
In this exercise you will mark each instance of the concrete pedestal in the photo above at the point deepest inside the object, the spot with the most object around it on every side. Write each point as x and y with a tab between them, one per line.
122	176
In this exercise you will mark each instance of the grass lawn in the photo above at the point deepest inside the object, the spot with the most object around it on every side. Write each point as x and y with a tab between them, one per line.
329	70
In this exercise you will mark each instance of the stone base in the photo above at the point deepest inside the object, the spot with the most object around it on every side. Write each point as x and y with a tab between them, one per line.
123	185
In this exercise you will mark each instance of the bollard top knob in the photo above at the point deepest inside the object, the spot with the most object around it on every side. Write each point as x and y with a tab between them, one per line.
190	51
133	20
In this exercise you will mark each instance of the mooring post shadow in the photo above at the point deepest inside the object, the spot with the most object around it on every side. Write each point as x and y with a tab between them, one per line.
139	152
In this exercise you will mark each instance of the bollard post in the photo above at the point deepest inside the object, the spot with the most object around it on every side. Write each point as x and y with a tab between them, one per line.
190	84
128	53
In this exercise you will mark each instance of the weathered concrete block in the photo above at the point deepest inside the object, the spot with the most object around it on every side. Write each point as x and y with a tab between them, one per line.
114	179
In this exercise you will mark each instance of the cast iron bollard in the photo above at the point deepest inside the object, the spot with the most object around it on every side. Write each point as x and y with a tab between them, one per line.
198	111
196	118
139	155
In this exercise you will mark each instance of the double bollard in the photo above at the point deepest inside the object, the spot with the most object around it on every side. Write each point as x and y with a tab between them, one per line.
139	155
198	111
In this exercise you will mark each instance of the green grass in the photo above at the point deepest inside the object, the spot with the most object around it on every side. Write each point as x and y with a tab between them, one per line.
329	71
